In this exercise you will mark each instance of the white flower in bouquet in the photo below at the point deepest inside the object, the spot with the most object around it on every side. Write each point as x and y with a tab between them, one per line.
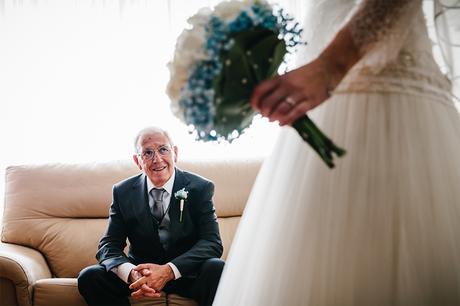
190	44
201	18
228	11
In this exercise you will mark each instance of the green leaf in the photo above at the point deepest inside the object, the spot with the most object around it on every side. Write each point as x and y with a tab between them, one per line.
254	56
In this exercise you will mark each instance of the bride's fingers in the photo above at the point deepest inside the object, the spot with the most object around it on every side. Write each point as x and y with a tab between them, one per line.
270	102
304	105
285	106
281	110
261	91
296	112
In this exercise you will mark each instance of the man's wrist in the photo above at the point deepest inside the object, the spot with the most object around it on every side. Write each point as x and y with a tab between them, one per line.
170	273
131	276
176	273
123	271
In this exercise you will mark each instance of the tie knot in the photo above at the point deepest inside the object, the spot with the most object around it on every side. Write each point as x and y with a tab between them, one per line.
158	194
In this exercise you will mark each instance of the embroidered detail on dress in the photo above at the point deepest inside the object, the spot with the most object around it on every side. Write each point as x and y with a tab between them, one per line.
376	19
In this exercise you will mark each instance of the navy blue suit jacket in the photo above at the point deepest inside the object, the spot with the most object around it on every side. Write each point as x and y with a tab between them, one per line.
191	241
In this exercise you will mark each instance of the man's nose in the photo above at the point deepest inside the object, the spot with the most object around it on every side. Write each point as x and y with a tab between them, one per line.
156	155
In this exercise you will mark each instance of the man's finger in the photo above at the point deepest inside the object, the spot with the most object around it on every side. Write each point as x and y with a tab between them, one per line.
145	272
141	267
147	289
156	294
137	294
137	284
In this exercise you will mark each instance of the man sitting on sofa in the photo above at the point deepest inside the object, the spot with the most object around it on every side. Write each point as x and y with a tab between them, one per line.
174	247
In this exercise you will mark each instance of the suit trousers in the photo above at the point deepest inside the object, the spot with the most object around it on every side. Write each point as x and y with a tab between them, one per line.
99	287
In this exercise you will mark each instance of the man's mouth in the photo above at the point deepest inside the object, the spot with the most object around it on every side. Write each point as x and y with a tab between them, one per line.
159	169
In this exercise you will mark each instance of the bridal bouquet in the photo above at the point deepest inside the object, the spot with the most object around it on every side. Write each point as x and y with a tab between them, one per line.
218	62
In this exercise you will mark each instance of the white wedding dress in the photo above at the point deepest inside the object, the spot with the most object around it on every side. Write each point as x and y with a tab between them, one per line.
383	227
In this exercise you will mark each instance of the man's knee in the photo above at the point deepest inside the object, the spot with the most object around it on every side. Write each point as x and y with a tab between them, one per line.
213	266
89	276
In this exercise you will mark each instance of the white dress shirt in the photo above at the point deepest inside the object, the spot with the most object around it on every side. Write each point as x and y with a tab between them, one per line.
123	270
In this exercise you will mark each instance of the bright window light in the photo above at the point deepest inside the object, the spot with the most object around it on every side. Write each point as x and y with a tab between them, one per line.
79	78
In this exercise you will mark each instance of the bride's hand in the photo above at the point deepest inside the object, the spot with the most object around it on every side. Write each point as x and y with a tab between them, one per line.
287	97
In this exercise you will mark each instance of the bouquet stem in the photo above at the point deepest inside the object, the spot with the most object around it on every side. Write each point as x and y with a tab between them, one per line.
317	140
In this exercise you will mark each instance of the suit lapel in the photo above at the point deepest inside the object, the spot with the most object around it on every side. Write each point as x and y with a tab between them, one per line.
174	211
140	204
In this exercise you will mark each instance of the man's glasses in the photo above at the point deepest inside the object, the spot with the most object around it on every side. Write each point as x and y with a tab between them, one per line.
149	154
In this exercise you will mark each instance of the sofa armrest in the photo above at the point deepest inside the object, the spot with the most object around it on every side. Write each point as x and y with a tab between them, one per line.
23	266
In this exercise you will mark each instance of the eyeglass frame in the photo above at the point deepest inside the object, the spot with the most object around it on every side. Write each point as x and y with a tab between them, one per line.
168	148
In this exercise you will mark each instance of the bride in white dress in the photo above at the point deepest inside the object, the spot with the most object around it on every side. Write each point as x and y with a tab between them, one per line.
383	227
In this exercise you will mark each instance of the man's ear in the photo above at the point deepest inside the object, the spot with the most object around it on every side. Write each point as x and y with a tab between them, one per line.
136	161
175	153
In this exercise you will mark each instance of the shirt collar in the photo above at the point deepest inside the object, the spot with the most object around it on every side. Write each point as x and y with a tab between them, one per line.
168	186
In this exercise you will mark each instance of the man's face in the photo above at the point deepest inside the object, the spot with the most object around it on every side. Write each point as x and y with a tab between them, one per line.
156	158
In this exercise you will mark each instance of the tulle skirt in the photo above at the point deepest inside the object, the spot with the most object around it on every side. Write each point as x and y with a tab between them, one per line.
382	228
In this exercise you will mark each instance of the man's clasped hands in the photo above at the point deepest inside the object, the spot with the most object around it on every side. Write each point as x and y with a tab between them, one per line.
149	279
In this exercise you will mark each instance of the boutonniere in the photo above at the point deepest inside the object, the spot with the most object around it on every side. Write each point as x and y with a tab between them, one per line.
182	196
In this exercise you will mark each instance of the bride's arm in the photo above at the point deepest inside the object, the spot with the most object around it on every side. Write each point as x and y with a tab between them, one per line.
376	28
376	20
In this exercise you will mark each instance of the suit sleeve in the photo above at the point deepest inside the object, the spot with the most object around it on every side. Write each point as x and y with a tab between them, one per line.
112	244
209	244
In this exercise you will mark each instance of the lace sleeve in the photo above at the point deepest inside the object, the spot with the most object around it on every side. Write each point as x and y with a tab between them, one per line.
380	27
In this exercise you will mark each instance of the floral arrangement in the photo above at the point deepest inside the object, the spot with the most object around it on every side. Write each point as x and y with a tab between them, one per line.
218	62
182	196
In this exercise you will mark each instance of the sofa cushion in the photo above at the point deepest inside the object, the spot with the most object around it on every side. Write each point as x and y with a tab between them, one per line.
57	292
233	182
61	210
227	227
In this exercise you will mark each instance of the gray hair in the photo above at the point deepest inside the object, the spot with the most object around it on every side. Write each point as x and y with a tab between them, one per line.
150	130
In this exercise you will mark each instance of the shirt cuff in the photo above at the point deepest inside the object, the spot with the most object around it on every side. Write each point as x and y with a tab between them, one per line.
123	271
175	270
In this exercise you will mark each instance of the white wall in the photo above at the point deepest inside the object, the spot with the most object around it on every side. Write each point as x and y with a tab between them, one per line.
78	79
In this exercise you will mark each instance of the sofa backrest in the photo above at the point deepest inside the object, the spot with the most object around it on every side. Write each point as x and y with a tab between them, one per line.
61	210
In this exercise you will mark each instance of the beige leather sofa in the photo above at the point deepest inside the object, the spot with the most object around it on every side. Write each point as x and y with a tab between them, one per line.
54	215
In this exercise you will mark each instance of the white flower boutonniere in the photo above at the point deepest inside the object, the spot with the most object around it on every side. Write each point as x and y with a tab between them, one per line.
182	196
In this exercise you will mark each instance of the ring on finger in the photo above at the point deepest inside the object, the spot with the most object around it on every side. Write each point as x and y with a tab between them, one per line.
290	101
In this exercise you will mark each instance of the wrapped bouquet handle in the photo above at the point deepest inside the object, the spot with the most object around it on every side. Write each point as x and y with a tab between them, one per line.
311	134
219	61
